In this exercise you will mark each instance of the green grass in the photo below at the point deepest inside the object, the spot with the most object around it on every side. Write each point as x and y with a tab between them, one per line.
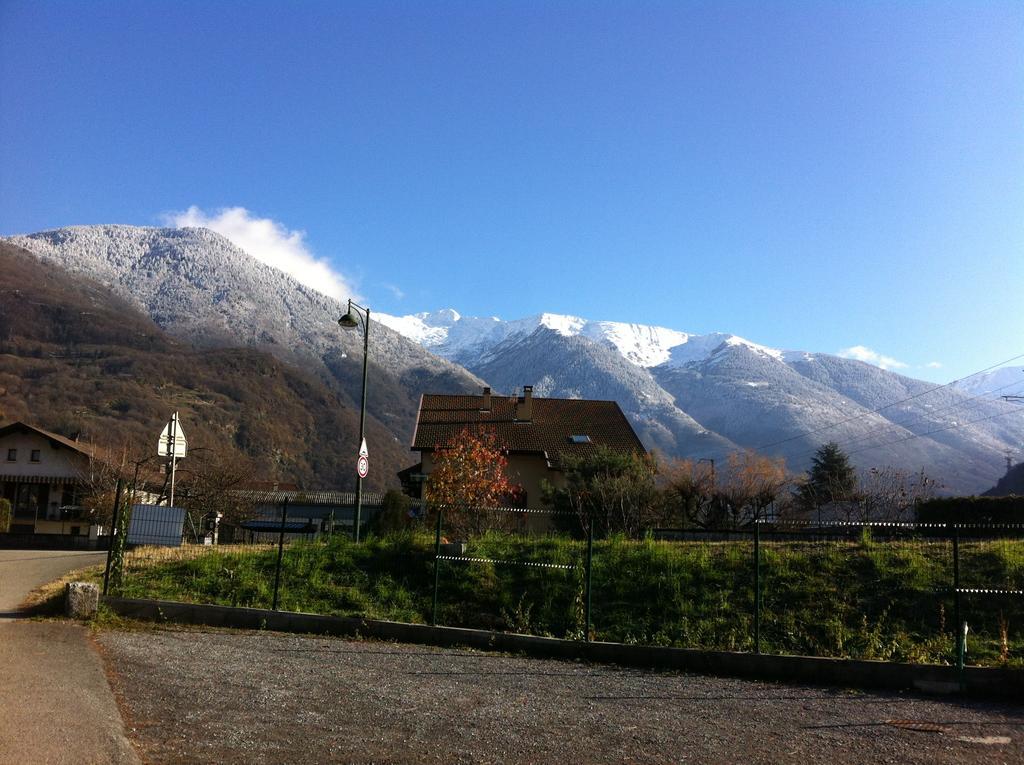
862	599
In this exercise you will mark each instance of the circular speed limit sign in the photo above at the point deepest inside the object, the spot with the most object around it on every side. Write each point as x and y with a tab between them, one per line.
362	466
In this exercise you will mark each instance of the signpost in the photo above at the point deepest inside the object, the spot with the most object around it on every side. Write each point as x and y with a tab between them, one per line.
172	445
363	463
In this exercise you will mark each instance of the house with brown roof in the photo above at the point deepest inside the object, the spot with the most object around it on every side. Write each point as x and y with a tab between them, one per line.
42	476
536	433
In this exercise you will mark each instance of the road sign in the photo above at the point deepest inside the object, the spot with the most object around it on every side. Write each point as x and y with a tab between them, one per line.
172	440
363	463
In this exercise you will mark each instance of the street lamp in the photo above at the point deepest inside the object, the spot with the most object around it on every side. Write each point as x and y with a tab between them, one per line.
355	316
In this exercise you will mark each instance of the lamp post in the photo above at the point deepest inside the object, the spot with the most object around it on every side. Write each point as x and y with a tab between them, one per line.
712	463
355	316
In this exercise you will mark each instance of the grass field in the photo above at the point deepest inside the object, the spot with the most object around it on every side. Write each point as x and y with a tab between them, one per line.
888	600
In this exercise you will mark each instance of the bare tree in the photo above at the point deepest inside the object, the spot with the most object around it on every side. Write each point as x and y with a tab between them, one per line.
752	486
129	463
889	494
210	481
749	487
688	492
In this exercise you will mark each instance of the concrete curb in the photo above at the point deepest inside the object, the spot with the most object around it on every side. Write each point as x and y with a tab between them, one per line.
986	682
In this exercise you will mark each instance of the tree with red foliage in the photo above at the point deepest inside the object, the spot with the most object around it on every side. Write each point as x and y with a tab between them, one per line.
468	476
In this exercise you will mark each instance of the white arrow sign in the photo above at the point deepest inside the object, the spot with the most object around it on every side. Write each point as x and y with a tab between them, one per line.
172	444
363	463
172	440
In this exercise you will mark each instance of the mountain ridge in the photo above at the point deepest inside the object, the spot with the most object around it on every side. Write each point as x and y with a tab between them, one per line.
696	396
207	292
785	402
77	358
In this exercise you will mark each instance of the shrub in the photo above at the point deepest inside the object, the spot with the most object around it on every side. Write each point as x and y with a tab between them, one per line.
982	510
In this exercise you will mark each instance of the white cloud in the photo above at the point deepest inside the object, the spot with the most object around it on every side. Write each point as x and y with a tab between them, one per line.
863	353
934	365
395	290
272	243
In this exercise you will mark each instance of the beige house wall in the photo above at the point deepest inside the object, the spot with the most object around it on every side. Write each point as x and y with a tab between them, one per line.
530	472
53	461
58	468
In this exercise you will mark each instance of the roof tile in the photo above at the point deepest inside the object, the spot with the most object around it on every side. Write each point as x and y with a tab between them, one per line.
554	422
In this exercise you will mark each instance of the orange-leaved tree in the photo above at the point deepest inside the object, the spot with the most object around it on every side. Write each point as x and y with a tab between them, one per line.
469	476
751	486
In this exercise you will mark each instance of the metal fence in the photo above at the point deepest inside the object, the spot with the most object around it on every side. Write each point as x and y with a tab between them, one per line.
900	592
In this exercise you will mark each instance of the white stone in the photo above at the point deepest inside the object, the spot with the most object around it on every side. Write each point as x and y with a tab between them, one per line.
81	599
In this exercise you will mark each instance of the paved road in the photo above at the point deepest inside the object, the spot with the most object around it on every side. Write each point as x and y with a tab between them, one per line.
264	698
55	702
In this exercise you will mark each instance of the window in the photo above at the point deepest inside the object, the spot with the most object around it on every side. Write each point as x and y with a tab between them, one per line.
33	456
29	499
580	439
12	455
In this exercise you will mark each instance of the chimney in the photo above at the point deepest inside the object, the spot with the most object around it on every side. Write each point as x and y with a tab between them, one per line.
485	406
524	405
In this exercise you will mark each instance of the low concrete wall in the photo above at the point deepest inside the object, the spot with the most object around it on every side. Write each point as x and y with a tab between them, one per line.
977	681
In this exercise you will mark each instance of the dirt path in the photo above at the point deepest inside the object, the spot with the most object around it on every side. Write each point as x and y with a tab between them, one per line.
55	702
216	697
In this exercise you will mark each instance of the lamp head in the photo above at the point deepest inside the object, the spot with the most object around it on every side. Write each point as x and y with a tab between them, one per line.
350	320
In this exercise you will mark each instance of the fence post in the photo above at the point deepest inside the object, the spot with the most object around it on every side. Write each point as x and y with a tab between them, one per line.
590	571
113	531
757	586
956	597
280	551
437	563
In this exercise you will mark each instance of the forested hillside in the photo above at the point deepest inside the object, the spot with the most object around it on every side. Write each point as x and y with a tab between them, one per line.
77	359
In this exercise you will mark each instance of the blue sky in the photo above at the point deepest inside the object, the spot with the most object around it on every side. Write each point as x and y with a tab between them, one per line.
807	175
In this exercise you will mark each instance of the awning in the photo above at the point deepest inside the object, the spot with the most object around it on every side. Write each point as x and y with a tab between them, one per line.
51	479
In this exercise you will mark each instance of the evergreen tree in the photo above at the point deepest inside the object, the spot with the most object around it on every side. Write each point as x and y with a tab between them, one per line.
830	479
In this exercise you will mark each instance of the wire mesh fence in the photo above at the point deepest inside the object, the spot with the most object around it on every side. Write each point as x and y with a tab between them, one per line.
503	569
898	592
989	590
873	591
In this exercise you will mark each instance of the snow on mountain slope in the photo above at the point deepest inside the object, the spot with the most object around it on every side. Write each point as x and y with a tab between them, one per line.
469	339
643	345
680	389
1005	381
200	287
574	366
695	396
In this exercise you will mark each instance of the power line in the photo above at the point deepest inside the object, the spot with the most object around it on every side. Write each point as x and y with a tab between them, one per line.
937	430
887	406
920	418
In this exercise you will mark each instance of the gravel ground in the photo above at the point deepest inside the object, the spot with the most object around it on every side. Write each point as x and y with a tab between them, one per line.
194	696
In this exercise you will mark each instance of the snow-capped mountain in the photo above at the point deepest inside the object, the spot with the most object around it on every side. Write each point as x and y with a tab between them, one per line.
688	395
468	339
707	395
200	287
